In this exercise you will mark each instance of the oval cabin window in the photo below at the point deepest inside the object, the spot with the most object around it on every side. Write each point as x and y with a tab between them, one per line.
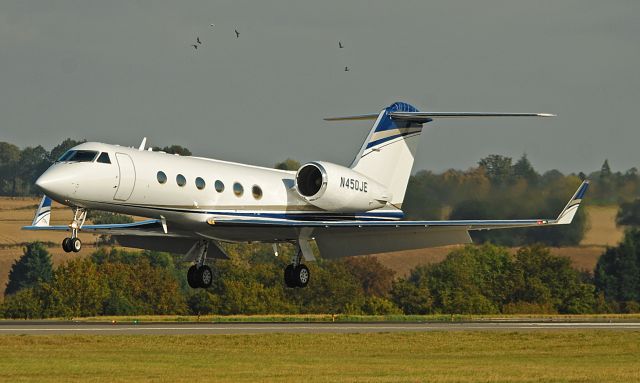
162	178
200	184
238	190
180	180
256	191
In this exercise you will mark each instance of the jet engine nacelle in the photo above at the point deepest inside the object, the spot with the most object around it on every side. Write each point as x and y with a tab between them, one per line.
337	188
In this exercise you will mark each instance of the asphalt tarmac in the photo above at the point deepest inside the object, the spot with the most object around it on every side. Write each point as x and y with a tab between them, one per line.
199	328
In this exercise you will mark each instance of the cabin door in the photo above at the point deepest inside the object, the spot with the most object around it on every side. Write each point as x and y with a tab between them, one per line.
126	178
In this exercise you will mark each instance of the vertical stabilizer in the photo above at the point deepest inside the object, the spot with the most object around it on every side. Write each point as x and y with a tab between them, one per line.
388	152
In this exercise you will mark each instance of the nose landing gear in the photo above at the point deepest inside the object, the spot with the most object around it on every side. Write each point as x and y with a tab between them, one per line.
74	244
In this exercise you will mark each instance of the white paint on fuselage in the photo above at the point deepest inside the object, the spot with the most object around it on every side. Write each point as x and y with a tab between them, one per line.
93	185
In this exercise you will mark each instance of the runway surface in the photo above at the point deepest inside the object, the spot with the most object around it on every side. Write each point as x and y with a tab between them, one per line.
199	328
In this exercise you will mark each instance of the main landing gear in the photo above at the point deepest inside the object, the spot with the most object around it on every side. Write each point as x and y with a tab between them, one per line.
74	244
200	275
296	274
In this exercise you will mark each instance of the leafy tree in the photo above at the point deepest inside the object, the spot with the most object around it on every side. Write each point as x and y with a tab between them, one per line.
202	302
545	279
77	289
412	297
487	279
288	164
524	169
33	162
26	304
375	278
421	200
174	149
497	167
9	168
617	272
140	288
629	213
33	267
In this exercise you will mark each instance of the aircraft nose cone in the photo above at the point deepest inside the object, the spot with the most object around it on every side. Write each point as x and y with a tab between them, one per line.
52	183
44	182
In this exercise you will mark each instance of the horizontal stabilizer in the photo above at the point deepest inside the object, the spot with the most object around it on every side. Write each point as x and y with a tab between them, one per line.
423	117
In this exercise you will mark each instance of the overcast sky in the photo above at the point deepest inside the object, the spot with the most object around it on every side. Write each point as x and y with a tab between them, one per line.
116	71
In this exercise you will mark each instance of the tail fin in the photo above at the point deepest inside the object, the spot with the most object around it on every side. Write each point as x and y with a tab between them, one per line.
387	154
43	214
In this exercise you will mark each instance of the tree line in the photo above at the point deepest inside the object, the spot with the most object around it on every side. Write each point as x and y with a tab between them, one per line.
481	279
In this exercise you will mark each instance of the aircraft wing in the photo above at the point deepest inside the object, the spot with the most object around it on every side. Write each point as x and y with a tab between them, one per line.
346	238
151	227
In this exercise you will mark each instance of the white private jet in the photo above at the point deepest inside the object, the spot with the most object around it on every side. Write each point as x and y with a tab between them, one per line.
195	203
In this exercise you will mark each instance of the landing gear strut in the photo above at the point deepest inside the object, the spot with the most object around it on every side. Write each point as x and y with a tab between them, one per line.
200	275
74	244
296	274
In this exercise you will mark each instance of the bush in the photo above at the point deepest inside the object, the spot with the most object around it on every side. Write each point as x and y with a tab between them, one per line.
487	279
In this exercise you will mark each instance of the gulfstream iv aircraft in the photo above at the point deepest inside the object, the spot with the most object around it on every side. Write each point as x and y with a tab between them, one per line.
195	203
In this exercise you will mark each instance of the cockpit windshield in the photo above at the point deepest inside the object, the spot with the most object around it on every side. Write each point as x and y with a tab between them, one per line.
78	156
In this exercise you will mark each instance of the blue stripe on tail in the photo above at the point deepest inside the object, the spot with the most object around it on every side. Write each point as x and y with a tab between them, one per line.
387	123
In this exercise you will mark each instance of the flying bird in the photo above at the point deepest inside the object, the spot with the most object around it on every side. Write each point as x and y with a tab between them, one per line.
194	46
237	34
340	44
198	40
212	25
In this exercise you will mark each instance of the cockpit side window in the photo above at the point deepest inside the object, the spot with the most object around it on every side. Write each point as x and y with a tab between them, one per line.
82	156
104	158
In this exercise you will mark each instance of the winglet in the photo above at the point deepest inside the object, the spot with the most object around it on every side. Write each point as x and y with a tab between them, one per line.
569	211
43	213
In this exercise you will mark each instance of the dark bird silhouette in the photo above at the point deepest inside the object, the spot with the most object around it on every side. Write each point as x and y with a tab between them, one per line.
237	34
198	40
346	69
340	44
194	46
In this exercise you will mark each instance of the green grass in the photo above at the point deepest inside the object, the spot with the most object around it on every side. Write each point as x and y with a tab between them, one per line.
361	318
536	356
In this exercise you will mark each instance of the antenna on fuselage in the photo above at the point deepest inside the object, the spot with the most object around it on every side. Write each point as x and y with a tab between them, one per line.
142	144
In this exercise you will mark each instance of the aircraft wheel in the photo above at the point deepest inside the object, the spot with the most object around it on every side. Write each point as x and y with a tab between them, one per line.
76	244
192	277
205	276
289	279
301	275
66	245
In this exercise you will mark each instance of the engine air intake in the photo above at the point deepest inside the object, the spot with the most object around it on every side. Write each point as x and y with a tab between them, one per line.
309	180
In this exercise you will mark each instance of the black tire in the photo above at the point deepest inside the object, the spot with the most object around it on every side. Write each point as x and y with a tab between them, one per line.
205	276
76	244
192	278
66	246
302	275
288	277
